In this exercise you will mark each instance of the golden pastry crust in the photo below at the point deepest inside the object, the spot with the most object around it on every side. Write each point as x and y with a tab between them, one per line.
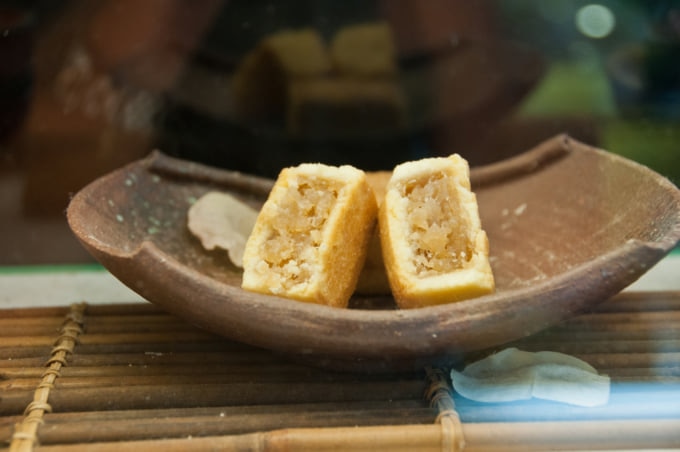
378	181
433	245
373	279
310	239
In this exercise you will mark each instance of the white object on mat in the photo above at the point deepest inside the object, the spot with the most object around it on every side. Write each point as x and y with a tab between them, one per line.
514	374
220	220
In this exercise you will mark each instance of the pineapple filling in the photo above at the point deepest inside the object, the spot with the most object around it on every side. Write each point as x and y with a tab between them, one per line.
291	251
438	226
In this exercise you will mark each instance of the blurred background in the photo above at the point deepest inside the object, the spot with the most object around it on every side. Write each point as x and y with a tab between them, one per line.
88	86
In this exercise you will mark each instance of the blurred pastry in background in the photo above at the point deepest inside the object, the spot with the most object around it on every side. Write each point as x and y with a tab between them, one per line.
261	79
343	105
364	50
350	86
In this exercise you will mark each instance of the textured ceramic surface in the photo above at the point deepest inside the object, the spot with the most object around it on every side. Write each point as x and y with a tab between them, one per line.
568	226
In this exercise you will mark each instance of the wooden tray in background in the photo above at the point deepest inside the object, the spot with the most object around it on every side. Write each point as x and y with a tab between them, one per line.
131	377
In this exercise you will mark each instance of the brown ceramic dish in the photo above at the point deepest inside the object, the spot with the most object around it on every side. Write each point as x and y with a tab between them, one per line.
569	226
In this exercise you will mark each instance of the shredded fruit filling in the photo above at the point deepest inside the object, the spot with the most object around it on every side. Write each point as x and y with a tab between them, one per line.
292	247
438	234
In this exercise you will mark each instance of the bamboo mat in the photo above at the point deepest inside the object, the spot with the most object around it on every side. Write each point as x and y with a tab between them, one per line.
131	377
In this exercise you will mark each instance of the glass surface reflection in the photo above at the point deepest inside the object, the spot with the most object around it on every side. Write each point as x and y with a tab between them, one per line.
94	85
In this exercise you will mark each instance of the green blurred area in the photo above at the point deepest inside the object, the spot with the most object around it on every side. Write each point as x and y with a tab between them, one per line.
571	89
653	143
583	90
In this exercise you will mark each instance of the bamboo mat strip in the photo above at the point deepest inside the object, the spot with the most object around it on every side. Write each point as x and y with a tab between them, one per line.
228	421
140	378
126	397
488	437
25	435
